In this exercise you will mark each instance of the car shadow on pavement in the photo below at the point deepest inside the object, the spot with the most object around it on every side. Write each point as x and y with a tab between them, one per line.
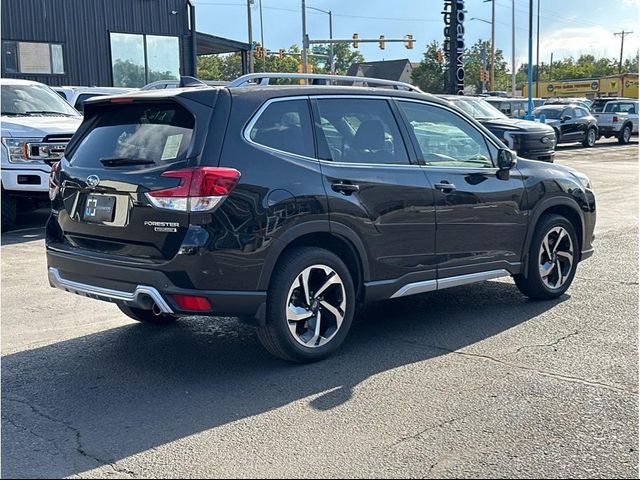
90	401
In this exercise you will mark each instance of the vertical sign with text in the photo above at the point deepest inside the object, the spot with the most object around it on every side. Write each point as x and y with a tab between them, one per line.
453	14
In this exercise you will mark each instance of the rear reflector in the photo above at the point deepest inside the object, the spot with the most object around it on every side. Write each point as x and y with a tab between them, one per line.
200	189
190	302
615	120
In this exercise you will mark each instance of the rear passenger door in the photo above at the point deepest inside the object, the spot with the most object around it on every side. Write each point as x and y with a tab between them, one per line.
373	186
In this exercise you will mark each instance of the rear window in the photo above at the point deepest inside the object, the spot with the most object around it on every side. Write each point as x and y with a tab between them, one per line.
158	133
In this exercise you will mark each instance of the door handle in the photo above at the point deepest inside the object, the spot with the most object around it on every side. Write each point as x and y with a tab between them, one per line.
445	186
345	188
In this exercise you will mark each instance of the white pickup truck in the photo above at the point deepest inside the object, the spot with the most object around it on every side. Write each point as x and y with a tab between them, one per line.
617	117
36	126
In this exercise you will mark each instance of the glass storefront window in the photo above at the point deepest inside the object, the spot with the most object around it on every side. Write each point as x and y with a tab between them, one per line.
163	58
127	60
131	68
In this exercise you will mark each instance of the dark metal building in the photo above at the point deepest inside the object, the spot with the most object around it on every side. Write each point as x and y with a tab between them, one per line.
101	42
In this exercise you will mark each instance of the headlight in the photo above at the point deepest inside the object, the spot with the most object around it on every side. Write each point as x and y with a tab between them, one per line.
17	148
584	180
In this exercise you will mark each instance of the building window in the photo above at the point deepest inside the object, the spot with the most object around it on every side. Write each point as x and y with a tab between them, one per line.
33	57
140	59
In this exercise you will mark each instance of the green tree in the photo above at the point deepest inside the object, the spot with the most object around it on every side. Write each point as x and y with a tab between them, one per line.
473	61
344	56
430	74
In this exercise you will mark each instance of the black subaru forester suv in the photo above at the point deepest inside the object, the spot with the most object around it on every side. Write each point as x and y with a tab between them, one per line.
295	205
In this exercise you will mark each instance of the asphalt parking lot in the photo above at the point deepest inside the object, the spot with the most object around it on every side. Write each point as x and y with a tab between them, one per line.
474	381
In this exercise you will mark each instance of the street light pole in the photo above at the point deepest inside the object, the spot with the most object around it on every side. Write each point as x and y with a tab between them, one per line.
538	53
328	12
513	48
530	66
250	29
305	65
264	58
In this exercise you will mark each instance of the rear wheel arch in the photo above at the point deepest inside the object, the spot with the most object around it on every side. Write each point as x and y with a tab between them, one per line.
339	240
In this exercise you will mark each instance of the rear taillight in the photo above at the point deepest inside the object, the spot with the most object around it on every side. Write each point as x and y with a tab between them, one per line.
53	182
615	120
200	189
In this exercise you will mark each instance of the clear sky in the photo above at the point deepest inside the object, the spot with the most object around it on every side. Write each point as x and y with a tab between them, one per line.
567	27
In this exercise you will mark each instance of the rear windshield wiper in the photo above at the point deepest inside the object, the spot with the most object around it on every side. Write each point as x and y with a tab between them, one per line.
121	161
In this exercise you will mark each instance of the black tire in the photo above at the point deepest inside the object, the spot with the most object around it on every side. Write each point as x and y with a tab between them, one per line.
557	132
532	284
147	316
9	211
590	137
625	135
275	335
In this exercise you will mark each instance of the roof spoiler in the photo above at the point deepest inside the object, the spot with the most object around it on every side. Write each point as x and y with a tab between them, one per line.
186	81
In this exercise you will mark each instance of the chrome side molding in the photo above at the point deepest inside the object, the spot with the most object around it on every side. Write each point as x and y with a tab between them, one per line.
440	284
106	294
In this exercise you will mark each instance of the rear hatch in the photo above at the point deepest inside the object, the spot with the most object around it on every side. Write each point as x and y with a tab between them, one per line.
124	149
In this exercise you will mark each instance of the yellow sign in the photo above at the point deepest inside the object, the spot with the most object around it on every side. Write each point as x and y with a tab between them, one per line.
619	85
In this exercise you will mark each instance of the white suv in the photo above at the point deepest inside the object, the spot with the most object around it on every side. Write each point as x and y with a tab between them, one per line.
36	126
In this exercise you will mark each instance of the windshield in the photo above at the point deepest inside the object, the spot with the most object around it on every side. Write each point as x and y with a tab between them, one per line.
34	100
549	113
478	108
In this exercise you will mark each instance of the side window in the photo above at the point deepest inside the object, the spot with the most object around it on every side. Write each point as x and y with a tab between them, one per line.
568	112
359	130
626	108
446	139
612	107
518	109
580	113
285	126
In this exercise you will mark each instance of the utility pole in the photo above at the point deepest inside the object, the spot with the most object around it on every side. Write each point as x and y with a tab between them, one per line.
538	53
513	48
551	67
493	44
250	28
622	35
305	65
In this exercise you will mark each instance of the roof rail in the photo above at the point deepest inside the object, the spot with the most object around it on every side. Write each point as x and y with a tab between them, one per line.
319	79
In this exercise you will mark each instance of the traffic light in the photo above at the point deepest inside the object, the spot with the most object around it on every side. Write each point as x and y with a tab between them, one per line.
484	75
381	42
439	56
408	41
355	40
259	51
281	53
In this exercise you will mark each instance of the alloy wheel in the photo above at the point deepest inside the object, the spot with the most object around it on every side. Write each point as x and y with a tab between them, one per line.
591	137
316	306
626	134
556	258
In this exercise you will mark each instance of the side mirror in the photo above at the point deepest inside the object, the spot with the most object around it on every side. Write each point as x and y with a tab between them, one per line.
507	159
566	117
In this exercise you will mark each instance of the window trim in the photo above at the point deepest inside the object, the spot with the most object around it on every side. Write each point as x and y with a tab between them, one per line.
246	131
49	44
488	140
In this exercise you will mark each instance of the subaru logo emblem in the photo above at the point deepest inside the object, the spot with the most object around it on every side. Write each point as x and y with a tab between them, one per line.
93	181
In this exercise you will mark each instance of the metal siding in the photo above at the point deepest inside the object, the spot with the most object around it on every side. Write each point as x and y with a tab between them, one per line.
83	27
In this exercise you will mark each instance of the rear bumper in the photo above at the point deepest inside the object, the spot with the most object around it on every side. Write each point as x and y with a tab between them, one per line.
141	287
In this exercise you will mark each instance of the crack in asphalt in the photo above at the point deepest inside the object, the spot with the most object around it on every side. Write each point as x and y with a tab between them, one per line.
542	345
516	366
417	435
603	280
78	437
